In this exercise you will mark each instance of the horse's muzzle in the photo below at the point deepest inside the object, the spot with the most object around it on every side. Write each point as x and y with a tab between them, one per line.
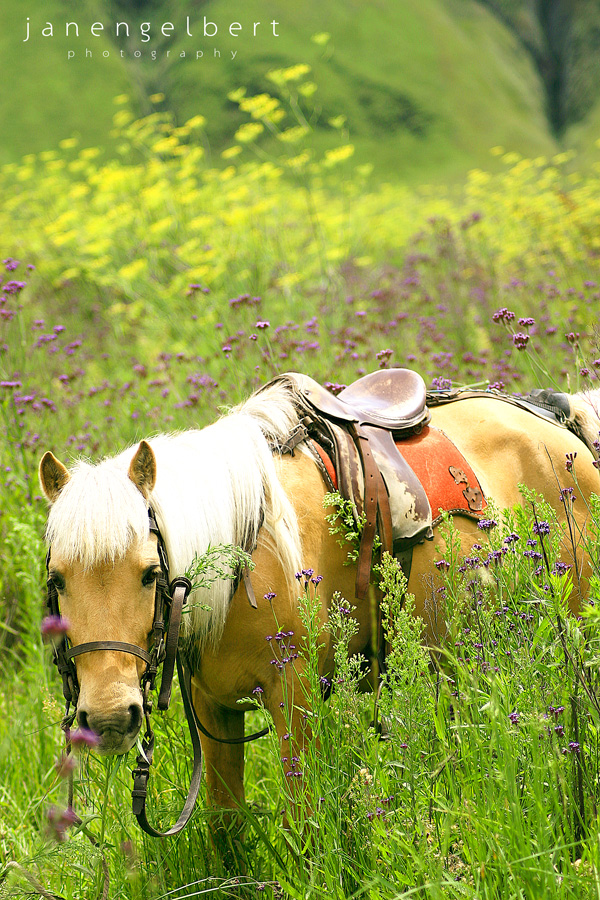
116	730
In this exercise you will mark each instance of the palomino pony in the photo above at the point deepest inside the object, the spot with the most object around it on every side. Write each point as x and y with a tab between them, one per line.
229	484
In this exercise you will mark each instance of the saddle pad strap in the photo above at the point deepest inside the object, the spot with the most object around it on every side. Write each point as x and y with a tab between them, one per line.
349	468
383	501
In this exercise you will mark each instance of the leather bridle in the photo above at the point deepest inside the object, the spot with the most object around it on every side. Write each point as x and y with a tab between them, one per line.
169	602
170	599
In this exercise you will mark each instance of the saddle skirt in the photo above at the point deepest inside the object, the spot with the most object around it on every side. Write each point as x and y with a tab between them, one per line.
426	476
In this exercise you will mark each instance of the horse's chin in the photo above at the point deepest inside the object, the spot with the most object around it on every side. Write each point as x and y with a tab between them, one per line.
115	743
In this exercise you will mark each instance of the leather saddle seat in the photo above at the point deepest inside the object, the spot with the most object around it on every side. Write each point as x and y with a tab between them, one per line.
392	399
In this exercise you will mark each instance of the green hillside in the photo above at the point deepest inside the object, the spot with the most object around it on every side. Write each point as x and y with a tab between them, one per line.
45	97
426	86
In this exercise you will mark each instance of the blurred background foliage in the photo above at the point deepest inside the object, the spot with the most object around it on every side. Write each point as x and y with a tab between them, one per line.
426	86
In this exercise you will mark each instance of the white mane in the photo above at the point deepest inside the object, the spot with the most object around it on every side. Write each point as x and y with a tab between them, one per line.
214	486
586	406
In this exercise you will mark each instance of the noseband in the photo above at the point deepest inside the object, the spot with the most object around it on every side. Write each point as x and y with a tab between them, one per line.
168	607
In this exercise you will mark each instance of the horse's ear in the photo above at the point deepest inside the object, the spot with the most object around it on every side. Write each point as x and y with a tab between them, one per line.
142	469
53	476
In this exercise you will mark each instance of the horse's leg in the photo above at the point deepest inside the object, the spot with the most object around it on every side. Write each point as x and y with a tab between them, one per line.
224	767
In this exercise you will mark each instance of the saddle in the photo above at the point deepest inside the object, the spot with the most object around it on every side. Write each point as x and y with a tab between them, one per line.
393	399
357	430
373	443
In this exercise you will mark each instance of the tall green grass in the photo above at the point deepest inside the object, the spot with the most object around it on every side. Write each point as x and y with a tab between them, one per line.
485	784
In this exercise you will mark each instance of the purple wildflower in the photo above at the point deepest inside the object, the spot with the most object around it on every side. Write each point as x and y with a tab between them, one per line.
59	820
14	287
541	528
54	626
84	737
334	387
487	524
503	315
383	357
520	340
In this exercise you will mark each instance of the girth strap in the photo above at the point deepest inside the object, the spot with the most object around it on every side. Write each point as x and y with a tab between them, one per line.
376	507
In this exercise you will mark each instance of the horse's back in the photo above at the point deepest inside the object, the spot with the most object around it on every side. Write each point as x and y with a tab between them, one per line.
508	446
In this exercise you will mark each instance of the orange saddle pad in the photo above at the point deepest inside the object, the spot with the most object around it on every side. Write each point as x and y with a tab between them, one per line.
449	481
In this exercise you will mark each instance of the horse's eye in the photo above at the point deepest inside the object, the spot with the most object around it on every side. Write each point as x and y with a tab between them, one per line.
57	580
149	577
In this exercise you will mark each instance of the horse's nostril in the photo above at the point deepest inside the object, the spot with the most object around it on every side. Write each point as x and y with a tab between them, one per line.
135	718
82	719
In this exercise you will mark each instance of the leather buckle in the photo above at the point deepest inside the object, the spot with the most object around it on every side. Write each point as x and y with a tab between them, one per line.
181	581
